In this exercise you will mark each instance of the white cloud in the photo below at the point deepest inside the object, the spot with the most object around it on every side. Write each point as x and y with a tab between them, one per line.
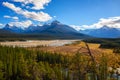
15	18
112	22
37	4
7	16
23	24
76	27
55	16
1	24
12	6
38	16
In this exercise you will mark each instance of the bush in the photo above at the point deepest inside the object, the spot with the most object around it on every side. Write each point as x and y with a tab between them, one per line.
110	45
116	50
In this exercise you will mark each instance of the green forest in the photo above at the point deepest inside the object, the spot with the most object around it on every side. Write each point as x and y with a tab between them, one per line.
24	64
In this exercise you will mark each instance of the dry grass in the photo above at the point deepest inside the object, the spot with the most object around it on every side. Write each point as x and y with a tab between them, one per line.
72	49
56	46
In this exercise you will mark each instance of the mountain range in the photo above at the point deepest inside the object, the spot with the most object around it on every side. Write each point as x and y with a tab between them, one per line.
54	30
103	32
57	30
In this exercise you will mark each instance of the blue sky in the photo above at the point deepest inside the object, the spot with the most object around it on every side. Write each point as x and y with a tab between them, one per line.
77	13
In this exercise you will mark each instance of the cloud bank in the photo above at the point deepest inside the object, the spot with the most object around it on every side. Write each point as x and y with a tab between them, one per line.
37	4
15	17
112	22
22	24
37	16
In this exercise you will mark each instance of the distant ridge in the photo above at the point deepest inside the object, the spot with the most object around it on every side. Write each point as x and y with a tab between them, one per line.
13	28
58	30
53	30
103	32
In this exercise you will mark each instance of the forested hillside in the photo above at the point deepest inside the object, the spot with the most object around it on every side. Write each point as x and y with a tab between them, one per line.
23	64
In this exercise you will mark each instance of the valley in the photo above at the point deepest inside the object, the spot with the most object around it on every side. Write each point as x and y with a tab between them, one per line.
59	39
52	59
59	46
58	52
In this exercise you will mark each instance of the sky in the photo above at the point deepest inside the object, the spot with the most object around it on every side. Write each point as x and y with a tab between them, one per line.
79	14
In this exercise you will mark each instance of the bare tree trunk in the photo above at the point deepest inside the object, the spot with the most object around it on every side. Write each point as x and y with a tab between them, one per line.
94	63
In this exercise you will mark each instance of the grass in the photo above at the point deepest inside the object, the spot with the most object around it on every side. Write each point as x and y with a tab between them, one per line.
73	48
